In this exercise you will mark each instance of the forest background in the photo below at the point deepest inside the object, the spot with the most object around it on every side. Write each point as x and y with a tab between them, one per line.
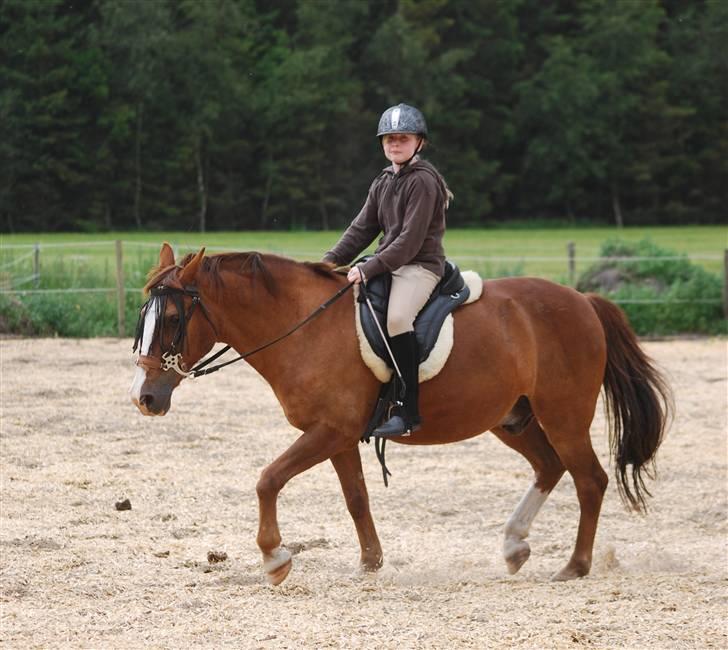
196	115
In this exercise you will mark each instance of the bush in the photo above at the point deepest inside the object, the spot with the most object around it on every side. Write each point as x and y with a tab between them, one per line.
660	295
71	313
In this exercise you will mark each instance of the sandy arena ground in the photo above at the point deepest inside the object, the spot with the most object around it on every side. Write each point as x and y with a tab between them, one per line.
75	572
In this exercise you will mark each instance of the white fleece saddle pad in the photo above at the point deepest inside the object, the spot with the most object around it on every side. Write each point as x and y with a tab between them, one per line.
431	366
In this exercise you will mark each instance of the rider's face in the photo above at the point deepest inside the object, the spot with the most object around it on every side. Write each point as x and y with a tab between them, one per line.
400	147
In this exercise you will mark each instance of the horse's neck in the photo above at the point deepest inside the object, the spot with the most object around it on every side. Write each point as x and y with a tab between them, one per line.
252	316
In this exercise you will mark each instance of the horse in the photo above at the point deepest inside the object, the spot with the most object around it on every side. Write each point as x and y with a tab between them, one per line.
528	350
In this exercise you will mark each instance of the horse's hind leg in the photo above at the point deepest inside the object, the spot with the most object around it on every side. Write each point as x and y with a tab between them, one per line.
569	436
348	467
548	469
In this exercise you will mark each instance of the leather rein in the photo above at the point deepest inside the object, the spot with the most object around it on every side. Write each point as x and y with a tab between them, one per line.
172	358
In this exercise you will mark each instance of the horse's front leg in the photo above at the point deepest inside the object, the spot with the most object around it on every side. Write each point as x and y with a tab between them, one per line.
348	467
309	449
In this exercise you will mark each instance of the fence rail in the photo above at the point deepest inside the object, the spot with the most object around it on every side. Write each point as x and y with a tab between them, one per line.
120	289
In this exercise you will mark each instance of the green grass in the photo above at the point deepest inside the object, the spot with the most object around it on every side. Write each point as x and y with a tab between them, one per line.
74	260
461	245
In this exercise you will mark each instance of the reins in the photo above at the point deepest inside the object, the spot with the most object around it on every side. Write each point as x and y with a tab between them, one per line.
198	371
170	361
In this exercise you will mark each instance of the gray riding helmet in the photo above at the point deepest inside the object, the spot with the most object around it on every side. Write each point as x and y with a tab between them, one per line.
402	118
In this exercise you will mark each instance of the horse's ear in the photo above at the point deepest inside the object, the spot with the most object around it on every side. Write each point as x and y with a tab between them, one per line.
166	256
189	271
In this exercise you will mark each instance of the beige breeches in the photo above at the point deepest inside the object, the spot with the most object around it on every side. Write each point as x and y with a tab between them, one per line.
411	287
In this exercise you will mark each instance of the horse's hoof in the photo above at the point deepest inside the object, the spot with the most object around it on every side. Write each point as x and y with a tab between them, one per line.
371	565
516	552
277	565
571	571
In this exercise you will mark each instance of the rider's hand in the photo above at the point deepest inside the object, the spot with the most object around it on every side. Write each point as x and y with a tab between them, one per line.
355	275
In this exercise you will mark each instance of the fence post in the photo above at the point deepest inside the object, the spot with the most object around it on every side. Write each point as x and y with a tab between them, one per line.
36	264
120	288
725	283
571	251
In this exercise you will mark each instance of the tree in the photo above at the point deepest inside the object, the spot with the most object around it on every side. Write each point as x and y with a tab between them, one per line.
554	113
304	107
262	113
583	112
622	39
693	148
135	36
475	142
49	77
210	49
407	62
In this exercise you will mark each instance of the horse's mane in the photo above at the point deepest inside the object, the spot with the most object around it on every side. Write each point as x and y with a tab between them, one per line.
252	263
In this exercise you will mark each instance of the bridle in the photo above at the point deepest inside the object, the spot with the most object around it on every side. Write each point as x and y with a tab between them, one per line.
171	358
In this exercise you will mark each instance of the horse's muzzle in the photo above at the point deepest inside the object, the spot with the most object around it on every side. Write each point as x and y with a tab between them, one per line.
151	404
150	397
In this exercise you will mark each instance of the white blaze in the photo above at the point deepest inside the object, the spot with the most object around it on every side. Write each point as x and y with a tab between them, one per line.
150	322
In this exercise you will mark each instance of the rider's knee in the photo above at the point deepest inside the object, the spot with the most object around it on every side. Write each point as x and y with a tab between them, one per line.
398	324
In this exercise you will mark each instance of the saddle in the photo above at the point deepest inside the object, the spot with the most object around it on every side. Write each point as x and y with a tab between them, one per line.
434	331
451	292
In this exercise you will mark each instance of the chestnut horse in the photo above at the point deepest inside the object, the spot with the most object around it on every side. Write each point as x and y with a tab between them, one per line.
528	350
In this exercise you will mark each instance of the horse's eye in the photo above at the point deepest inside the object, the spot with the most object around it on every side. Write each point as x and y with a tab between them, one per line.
173	319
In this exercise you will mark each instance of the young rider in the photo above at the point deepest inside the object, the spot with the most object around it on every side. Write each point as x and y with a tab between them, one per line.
407	204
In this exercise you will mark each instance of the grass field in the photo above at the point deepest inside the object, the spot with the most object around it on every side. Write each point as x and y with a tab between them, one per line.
67	286
497	251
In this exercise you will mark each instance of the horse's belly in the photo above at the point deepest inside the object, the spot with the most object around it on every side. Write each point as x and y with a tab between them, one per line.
488	370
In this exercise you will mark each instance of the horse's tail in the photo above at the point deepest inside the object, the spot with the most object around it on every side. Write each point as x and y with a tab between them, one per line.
638	401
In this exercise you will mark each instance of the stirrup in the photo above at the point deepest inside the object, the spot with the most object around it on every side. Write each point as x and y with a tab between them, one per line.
395	427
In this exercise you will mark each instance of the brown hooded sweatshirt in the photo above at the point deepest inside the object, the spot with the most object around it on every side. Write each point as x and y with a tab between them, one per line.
408	208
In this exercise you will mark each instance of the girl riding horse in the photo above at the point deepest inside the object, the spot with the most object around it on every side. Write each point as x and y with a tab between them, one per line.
407	204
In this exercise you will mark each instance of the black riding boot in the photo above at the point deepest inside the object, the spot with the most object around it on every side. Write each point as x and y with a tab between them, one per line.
405	418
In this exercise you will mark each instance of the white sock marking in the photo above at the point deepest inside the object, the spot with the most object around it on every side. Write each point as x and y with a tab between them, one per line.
276	559
520	521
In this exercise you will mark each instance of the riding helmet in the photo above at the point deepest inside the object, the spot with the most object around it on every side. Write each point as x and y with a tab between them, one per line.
402	118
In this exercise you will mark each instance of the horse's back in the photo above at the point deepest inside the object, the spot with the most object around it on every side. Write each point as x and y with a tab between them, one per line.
548	306
548	332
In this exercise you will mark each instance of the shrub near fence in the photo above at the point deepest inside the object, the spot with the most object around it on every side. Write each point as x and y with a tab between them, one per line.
661	292
47	290
54	292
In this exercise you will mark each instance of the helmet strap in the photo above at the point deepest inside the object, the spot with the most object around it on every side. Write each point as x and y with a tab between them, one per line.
417	150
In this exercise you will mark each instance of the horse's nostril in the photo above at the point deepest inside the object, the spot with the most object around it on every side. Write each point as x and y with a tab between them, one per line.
146	400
